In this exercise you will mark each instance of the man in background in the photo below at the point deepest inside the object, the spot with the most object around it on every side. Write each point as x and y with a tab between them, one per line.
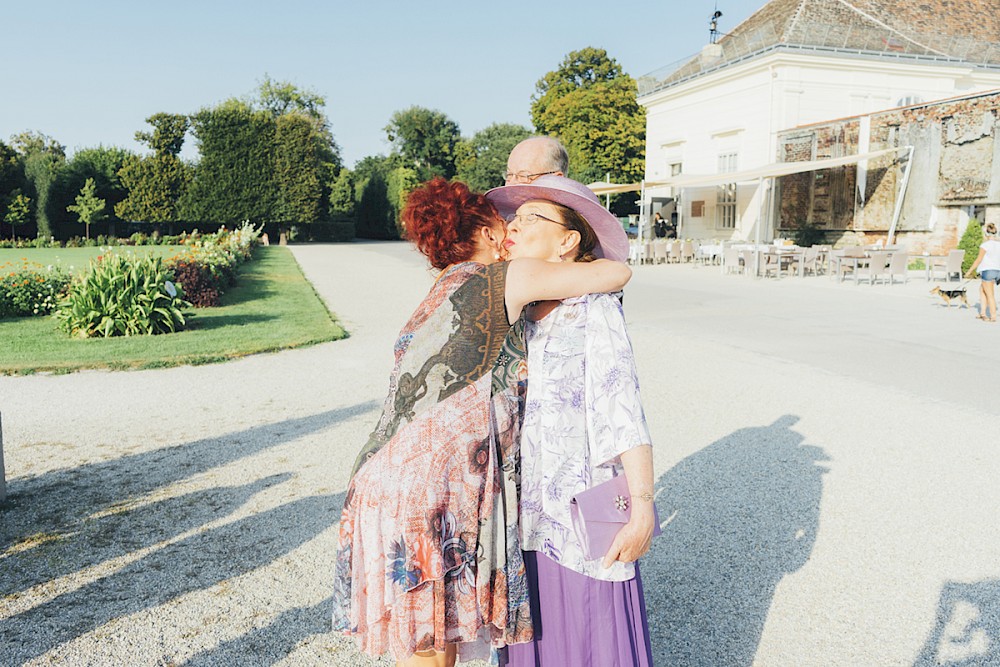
534	157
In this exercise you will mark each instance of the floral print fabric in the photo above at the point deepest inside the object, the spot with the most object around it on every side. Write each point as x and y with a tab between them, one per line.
428	553
583	410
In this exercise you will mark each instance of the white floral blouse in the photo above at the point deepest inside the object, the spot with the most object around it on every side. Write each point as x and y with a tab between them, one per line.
582	411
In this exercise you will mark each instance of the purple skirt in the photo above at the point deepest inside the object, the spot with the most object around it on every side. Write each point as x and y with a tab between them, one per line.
581	621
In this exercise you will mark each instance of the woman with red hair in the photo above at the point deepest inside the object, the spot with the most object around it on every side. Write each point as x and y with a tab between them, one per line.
428	562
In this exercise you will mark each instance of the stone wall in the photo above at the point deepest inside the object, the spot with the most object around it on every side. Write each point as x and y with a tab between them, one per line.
955	164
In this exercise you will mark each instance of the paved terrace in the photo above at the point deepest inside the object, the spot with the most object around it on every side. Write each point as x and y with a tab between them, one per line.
825	454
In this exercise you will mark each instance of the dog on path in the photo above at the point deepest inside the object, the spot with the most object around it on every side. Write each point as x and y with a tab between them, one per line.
949	294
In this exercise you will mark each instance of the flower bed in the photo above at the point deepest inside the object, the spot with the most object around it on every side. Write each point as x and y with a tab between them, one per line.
207	267
123	294
28	288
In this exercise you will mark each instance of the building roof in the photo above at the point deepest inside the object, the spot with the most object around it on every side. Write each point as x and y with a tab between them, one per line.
942	31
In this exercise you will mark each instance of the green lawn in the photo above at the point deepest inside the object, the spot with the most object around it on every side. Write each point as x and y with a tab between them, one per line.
78	258
273	308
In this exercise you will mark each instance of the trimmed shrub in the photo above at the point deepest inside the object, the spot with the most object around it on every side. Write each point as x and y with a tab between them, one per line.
123	295
327	231
30	289
970	242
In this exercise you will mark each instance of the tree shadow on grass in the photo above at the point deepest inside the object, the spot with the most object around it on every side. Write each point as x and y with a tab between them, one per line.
202	322
248	288
967	630
743	512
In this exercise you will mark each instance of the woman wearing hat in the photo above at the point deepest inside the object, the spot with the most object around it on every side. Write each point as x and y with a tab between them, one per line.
428	564
583	425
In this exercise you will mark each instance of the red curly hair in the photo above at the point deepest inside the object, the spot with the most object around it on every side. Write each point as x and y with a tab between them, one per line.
442	219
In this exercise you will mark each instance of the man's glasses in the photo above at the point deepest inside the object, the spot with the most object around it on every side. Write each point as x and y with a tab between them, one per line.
521	177
525	219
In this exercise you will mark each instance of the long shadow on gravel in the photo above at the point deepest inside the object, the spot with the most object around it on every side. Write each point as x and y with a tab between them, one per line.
120	530
194	563
68	520
742	512
52	504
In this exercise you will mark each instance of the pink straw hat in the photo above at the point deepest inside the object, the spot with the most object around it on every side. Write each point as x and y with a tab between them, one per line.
611	240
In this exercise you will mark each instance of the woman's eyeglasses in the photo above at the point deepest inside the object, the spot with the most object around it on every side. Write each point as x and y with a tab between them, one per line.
526	219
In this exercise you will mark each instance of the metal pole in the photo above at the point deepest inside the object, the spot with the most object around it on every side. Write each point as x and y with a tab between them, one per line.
760	221
899	197
679	207
642	210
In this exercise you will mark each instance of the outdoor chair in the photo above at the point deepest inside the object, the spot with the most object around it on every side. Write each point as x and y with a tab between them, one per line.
675	252
768	263
953	265
647	252
823	258
687	251
810	261
659	252
898	264
844	267
875	269
731	261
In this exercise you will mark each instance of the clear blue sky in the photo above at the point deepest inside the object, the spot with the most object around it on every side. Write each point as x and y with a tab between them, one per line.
90	73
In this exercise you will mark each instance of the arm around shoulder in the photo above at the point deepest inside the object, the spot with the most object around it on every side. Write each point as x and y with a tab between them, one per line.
539	280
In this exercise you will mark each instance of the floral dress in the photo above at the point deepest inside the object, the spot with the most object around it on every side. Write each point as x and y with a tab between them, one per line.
428	551
583	411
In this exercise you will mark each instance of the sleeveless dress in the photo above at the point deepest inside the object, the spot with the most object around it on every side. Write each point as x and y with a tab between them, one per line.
428	551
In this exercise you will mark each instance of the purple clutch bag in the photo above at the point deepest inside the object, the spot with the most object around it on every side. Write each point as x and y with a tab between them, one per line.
600	512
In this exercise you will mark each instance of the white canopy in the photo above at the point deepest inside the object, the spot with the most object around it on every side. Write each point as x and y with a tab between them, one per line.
747	175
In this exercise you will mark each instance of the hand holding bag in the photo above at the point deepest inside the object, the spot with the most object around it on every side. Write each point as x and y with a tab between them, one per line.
600	512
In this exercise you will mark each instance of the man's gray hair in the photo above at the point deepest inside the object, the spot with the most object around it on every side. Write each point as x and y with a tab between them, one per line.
556	157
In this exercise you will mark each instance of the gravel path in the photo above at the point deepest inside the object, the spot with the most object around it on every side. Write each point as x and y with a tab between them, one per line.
825	454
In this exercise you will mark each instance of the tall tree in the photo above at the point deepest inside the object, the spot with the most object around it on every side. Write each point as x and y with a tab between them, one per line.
306	154
482	160
281	97
382	185
11	175
101	164
156	183
167	137
16	211
234	180
89	208
426	140
342	193
155	187
590	104
41	157
298	169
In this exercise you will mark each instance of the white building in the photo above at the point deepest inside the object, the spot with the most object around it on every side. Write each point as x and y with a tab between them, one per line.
796	62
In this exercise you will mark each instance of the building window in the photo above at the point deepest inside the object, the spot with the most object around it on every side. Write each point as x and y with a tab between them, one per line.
909	100
725	202
675	169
